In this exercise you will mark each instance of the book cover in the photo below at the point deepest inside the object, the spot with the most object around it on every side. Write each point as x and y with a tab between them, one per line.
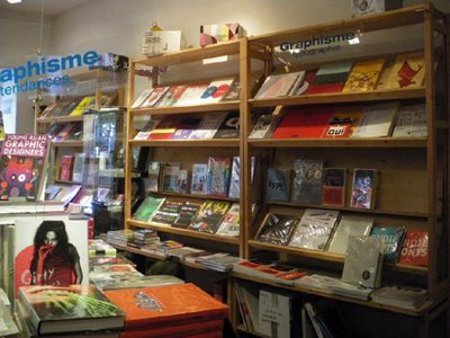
230	225
210	216
377	120
314	229
364	76
144	134
264	127
307	186
341	123
59	309
65	173
400	296
304	124
333	190
235	179
50	250
182	184
67	193
188	212
171	96
167	213
82	106
153	176
208	126
408	71
411	121
415	248
216	90
170	179
78	167
278	182
218	176
192	95
277	229
54	129
363	188
229	127
364	269
276	85
141	98
162	306
23	168
64	133
186	127
165	129
199	179
349	225
392	238
147	208
307	82
51	191
154	96
330	78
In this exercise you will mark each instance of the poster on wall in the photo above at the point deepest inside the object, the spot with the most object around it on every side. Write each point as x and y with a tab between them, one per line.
365	7
50	250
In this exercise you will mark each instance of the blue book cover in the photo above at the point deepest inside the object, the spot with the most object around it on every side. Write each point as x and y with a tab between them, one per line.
277	185
392	238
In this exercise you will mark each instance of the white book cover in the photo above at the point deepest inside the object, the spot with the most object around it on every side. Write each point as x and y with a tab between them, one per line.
314	229
403	296
208	126
234	190
349	225
264	127
277	85
363	269
141	98
411	121
377	120
230	225
154	96
216	91
199	179
51	250
192	95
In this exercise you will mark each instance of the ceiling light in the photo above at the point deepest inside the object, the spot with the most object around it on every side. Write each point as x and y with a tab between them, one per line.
14	1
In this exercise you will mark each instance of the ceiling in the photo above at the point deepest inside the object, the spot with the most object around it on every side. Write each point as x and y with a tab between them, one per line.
51	7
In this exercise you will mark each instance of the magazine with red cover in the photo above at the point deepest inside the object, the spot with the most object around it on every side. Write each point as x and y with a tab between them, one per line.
415	248
66	168
304	124
175	330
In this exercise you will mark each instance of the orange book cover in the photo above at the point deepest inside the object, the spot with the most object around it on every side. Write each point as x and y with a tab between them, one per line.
364	76
173	331
155	306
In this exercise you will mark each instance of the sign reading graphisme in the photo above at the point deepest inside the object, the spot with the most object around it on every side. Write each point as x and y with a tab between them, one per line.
21	75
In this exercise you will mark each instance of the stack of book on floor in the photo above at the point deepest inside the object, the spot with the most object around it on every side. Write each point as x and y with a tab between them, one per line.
139	238
99	248
71	311
170	311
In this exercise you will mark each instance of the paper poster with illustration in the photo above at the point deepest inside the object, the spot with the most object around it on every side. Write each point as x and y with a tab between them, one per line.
364	7
51	250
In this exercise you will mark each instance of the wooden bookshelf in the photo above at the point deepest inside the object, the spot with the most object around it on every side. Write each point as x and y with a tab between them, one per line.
200	197
174	110
68	144
59	119
212	143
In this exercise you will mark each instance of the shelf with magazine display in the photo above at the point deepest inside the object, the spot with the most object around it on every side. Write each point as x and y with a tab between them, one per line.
174	110
222	143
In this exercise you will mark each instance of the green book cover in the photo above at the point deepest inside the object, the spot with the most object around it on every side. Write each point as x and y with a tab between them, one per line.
147	208
392	238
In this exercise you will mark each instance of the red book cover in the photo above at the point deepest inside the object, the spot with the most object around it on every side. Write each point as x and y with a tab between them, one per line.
308	81
66	168
415	248
183	303
183	330
306	124
165	129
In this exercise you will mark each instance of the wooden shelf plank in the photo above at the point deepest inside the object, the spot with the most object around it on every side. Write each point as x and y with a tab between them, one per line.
68	144
397	18
365	211
220	143
375	95
201	108
386	142
202	197
416	313
184	232
60	119
192	54
67	182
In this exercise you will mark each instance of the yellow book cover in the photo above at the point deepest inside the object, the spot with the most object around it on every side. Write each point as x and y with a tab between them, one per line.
84	103
364	76
408	71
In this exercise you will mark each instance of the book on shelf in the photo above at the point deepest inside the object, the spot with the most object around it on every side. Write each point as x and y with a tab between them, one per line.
147	208
128	281
307	185
349	225
174	180
276	85
364	187
144	134
167	213
216	90
184	252
326	320
264	126
185	127
377	120
230	226
341	123
100	248
330	78
153	176
411	121
392	238
54	129
221	264
415	248
364	270
210	216
408	71
78	167
334	183
65	173
187	214
278	183
218	176
154	96
141	98
364	76
314	229
208	126
192	95
83	105
69	309
351	290
235	178
304	123
67	193
229	129
199	179
277	229
23	167
171	96
51	191
165	129
400	296
64	133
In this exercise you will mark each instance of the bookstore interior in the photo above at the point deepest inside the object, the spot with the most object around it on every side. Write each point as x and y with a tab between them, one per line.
259	168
